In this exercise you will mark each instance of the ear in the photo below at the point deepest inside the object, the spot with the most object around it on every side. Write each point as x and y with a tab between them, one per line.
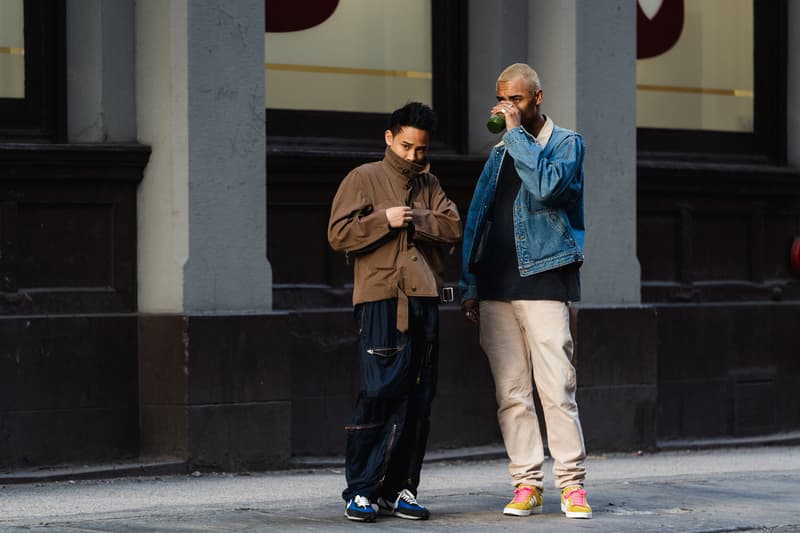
537	98
388	137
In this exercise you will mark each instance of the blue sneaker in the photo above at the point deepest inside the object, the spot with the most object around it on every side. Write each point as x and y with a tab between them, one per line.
361	509
405	505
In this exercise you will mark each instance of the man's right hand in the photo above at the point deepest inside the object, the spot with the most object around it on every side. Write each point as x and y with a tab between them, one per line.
472	311
399	217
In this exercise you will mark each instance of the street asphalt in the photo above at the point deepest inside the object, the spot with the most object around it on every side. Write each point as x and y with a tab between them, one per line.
729	489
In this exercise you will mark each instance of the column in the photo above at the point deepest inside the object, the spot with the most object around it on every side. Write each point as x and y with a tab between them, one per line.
585	53
202	208
793	86
209	389
101	85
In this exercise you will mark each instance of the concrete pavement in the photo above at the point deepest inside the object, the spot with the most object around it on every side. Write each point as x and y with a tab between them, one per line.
733	489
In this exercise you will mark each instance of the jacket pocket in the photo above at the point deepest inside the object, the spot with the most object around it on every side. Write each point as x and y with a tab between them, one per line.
481	245
548	236
556	222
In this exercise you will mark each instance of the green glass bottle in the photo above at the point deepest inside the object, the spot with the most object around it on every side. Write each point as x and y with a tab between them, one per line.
497	123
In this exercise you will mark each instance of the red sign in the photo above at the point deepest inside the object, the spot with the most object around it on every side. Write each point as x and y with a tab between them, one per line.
659	24
287	15
794	255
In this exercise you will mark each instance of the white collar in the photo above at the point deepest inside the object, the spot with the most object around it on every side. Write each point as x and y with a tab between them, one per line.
545	132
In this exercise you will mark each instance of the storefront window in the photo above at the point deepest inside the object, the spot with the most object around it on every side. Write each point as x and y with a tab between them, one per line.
32	67
336	68
695	69
711	79
364	56
12	49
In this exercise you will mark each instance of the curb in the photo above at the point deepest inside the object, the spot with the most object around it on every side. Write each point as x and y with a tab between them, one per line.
473	453
96	471
781	439
172	466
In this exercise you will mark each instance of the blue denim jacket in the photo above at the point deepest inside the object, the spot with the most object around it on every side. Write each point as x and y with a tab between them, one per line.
548	211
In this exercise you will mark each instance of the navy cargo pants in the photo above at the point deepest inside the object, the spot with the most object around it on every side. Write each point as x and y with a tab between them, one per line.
389	426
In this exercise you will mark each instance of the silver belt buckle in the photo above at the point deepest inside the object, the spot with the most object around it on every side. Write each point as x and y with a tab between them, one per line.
447	295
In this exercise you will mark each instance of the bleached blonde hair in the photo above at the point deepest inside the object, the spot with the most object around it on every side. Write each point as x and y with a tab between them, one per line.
521	70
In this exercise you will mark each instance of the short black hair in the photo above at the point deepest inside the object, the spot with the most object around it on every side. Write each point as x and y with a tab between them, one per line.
413	114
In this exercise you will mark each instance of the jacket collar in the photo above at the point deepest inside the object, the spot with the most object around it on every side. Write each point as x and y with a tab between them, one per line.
399	167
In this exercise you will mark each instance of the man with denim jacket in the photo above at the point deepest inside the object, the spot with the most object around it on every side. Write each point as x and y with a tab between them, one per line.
396	223
522	250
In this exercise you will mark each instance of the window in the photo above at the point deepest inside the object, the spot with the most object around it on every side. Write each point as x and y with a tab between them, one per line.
335	71
711	78
706	74
367	56
32	70
12	50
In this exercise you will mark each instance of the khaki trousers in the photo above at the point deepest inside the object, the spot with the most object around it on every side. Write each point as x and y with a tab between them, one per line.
526	342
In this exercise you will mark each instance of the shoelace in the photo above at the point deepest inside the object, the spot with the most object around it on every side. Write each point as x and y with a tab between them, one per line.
407	497
522	494
576	497
361	501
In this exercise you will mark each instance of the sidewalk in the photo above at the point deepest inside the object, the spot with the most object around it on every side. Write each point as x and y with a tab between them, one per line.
738	489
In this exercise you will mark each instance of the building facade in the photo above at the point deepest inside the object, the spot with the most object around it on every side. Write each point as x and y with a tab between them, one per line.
166	286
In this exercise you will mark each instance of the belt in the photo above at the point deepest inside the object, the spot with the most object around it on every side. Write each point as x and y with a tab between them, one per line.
445	296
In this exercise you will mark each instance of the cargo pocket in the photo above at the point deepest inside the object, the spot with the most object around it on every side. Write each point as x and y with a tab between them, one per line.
385	371
385	352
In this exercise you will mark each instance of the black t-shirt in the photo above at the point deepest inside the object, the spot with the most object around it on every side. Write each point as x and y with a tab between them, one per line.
498	270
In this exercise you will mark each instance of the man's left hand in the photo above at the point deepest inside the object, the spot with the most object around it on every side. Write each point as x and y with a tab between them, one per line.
472	311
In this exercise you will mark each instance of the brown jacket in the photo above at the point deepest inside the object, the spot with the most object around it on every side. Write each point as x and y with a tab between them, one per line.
393	262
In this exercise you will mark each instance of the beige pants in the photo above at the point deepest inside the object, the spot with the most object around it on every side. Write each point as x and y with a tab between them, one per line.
526	339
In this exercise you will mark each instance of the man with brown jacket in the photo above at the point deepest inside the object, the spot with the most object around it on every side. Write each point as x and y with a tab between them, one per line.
394	220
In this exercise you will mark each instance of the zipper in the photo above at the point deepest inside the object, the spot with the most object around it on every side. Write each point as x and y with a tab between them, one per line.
412	466
386	352
362	426
425	362
361	320
388	454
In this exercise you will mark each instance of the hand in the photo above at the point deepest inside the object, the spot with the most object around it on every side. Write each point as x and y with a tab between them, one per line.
512	114
472	311
399	217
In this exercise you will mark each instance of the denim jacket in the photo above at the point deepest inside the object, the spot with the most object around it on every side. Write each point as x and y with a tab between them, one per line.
548	211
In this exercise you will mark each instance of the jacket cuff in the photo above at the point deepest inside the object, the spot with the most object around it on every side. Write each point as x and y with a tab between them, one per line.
518	135
467	291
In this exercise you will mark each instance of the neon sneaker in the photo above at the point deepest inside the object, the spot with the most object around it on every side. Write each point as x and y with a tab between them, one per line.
527	501
361	509
405	505
574	504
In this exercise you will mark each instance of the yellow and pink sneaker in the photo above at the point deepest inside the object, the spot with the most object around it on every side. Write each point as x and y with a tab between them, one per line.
527	500
573	502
